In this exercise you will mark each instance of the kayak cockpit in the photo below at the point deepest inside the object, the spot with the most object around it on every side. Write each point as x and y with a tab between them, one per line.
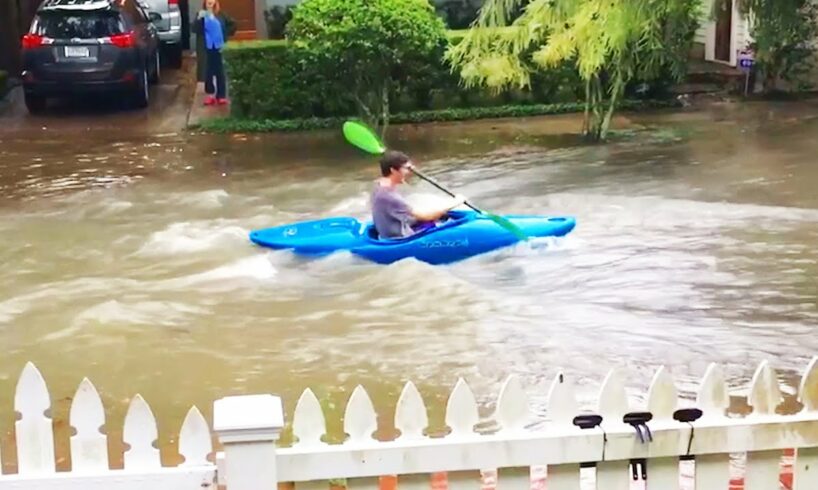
453	218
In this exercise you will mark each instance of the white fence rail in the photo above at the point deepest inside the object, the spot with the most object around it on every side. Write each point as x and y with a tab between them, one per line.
614	443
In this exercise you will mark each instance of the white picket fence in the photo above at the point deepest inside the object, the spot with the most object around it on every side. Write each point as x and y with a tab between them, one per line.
248	428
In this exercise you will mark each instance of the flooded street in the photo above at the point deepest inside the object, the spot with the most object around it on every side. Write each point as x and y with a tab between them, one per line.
125	259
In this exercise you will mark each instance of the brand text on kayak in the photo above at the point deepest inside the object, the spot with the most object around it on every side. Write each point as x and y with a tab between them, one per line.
444	243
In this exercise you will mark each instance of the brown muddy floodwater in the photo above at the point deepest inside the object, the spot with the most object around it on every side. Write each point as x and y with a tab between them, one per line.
126	260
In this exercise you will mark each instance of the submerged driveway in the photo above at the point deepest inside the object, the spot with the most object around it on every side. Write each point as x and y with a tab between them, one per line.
167	112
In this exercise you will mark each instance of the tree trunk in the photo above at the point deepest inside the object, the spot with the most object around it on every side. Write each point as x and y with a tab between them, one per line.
374	105
586	122
365	112
597	101
387	85
616	94
770	83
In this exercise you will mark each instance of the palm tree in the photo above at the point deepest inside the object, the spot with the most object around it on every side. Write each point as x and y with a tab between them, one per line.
610	43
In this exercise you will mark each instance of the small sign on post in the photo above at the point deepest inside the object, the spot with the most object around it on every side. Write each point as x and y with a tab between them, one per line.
746	61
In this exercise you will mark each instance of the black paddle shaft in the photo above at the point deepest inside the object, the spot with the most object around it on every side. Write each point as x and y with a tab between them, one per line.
447	191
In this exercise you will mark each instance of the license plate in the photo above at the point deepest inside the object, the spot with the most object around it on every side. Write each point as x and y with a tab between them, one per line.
77	52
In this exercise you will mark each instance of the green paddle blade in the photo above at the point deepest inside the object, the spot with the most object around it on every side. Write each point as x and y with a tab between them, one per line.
508	225
361	136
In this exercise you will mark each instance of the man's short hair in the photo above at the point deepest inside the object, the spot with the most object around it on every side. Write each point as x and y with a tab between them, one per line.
393	159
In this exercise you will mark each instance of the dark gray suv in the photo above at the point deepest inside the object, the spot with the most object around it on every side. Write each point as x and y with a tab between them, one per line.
79	47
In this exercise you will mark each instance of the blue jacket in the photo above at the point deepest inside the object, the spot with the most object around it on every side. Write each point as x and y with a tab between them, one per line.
214	31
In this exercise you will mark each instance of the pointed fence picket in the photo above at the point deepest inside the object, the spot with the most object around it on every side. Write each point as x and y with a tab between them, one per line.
411	420
89	447
461	418
34	437
563	406
713	470
360	422
806	463
140	433
512	415
663	398
762	468
612	406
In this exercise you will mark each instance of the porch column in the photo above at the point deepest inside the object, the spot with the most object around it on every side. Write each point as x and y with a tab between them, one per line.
261	24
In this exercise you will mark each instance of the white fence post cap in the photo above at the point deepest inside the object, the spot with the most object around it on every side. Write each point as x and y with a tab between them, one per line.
248	418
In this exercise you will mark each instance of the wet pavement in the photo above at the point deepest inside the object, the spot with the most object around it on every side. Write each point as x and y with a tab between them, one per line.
168	111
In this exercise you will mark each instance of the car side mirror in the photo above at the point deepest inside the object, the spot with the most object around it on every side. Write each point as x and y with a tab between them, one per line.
155	17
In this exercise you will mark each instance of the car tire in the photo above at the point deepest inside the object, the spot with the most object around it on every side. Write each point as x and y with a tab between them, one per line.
174	55
35	103
141	96
156	72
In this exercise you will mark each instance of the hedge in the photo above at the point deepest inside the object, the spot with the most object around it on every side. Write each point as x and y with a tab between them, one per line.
244	125
268	81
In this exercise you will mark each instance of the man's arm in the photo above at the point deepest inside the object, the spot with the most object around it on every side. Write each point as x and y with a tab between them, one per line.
434	215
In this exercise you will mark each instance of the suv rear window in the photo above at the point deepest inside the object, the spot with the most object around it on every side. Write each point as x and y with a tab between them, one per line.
82	25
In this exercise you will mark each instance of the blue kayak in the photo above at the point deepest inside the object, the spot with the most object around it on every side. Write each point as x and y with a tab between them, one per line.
461	235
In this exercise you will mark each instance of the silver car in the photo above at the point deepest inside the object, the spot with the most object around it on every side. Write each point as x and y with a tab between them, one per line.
169	27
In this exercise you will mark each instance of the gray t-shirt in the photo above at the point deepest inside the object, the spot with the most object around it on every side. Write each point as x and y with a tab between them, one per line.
391	213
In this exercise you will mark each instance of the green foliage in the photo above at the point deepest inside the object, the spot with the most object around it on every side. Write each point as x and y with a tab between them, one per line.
610	43
784	31
268	80
367	50
235	124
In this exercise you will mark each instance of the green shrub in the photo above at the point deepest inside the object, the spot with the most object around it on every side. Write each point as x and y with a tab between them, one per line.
269	81
279	80
367	52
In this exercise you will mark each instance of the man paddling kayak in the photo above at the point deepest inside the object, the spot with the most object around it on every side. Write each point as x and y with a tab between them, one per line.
392	216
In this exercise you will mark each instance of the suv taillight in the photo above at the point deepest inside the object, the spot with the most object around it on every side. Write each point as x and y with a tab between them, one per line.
31	41
173	2
127	40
